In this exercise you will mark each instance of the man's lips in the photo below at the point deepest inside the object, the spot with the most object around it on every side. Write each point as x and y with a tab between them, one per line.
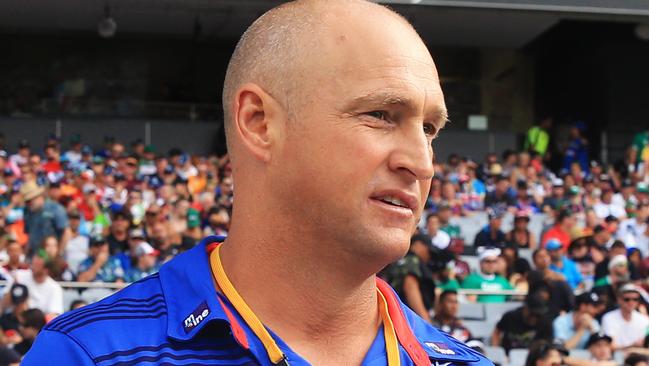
397	198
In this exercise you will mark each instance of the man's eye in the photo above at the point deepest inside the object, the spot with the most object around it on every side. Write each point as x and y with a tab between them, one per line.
382	115
429	129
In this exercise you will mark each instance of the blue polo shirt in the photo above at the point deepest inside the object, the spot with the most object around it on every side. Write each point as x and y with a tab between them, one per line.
175	318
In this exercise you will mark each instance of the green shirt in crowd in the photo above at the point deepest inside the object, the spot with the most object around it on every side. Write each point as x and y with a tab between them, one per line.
476	281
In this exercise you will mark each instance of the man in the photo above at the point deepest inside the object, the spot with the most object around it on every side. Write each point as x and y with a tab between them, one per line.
75	249
31	323
146	263
487	279
627	326
446	316
491	235
557	198
44	293
600	347
520	327
100	265
500	196
560	263
118	237
537	138
311	226
439	238
632	230
574	329
606	207
43	217
412	278
16	302
563	225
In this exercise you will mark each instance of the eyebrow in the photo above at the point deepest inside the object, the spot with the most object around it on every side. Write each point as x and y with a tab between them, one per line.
385	99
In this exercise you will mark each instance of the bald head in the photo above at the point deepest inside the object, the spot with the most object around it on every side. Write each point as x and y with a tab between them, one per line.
279	51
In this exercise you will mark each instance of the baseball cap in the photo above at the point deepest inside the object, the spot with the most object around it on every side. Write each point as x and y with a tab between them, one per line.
629	287
23	143
19	293
3	154
589	298
596	337
557	182
522	214
145	248
97	241
486	253
495	212
618	260
553	244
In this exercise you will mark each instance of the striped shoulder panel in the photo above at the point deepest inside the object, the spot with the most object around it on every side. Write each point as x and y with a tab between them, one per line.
142	299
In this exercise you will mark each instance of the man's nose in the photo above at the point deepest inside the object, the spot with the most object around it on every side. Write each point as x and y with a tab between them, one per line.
413	155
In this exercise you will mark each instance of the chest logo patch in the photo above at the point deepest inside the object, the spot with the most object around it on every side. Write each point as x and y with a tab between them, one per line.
440	347
196	317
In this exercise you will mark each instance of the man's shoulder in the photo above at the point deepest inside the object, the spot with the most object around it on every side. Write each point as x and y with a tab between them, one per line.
110	323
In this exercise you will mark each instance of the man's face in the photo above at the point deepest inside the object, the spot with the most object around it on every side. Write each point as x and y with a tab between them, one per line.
496	223
601	350
432	225
449	306
36	203
444	215
14	251
542	260
555	255
375	97
628	301
488	265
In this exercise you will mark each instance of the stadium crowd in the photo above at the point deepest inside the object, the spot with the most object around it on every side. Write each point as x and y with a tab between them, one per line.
115	214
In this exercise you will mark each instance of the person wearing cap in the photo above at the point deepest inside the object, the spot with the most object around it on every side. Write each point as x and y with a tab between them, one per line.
557	197
128	258
600	347
561	229
146	262
16	302
100	265
487	279
312	225
43	217
575	328
627	326
491	235
625	270
560	263
520	327
412	278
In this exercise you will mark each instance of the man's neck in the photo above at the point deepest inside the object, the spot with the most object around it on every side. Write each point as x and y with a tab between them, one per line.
320	310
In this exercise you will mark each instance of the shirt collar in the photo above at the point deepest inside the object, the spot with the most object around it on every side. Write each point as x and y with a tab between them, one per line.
188	289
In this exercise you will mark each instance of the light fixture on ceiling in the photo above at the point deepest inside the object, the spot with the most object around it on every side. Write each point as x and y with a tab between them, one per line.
642	31
107	25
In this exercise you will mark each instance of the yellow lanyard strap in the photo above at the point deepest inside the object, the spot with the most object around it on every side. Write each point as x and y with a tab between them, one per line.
274	353
391	342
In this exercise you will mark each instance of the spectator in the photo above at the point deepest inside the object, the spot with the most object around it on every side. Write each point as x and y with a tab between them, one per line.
32	321
446	316
491	235
600	347
537	138
100	265
577	150
606	207
444	215
632	231
626	326
15	304
15	256
500	196
635	359
574	329
520	235
524	200
76	304
43	217
439	238
118	237
44	293
618	272
555	290
562	264
557	198
561	229
520	327
487	279
146	263
75	249
412	279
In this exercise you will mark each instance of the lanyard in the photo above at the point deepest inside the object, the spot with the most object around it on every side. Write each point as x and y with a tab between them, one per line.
275	354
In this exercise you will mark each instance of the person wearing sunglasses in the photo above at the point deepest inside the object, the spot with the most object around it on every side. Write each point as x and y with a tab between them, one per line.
627	326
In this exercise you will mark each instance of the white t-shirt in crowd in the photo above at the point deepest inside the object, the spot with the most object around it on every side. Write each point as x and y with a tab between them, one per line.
76	251
47	296
603	210
625	333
